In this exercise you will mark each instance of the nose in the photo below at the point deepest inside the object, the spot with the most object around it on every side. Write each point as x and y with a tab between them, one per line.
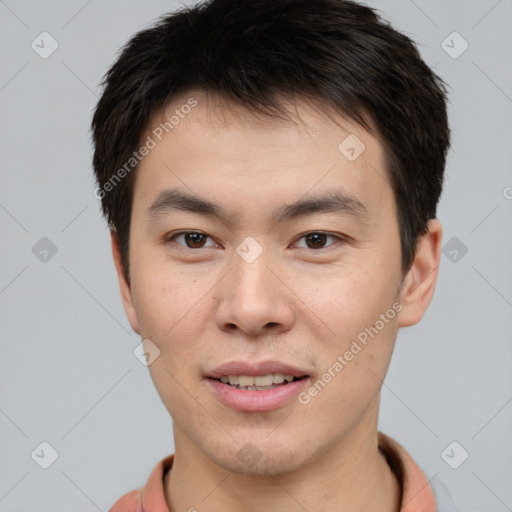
255	298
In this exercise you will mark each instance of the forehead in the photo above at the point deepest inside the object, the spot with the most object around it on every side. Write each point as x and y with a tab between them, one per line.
210	145
302	117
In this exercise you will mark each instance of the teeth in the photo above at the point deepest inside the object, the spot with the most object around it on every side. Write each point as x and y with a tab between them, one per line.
278	378
264	380
244	381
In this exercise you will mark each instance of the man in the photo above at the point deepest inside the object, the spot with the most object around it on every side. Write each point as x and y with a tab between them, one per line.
270	171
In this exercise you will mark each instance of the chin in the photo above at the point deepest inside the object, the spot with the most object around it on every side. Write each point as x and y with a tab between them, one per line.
260	458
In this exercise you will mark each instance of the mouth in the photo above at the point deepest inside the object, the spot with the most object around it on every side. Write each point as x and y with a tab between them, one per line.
256	386
258	382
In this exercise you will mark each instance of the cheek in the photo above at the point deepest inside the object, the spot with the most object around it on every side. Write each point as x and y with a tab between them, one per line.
349	304
361	312
173	310
166	299
351	374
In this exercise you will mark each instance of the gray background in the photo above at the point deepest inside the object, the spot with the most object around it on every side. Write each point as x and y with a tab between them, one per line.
67	372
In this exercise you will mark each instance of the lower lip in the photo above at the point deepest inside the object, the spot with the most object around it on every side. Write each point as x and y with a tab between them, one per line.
257	401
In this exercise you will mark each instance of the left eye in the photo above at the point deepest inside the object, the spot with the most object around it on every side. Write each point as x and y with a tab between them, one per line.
316	238
196	240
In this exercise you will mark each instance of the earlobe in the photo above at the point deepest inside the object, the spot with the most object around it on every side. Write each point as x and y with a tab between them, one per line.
419	283
124	287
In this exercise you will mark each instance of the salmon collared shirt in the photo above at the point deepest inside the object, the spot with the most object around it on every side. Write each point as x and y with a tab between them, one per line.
416	493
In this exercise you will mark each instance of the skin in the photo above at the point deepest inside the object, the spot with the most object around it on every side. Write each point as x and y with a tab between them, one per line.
297	302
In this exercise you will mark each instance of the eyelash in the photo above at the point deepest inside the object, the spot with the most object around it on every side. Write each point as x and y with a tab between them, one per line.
339	238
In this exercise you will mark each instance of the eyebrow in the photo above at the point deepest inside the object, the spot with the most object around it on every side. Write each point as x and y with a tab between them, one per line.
335	201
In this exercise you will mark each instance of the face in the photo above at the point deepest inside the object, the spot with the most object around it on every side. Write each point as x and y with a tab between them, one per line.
247	286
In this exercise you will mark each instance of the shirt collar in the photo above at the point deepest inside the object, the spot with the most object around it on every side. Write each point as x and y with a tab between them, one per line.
417	494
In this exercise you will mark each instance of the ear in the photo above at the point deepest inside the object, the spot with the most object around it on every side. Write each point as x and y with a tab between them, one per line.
420	282
126	293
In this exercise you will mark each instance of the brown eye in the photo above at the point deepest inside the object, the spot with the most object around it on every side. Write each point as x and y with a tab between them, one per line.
192	239
317	240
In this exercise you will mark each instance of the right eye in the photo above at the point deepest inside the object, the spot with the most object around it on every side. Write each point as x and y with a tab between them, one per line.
192	239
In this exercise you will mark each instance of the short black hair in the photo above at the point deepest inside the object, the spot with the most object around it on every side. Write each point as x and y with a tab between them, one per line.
255	52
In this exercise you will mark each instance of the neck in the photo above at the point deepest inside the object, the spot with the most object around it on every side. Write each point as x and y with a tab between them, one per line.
348	475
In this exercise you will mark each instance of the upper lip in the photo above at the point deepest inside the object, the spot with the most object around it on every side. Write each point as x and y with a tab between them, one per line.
255	368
